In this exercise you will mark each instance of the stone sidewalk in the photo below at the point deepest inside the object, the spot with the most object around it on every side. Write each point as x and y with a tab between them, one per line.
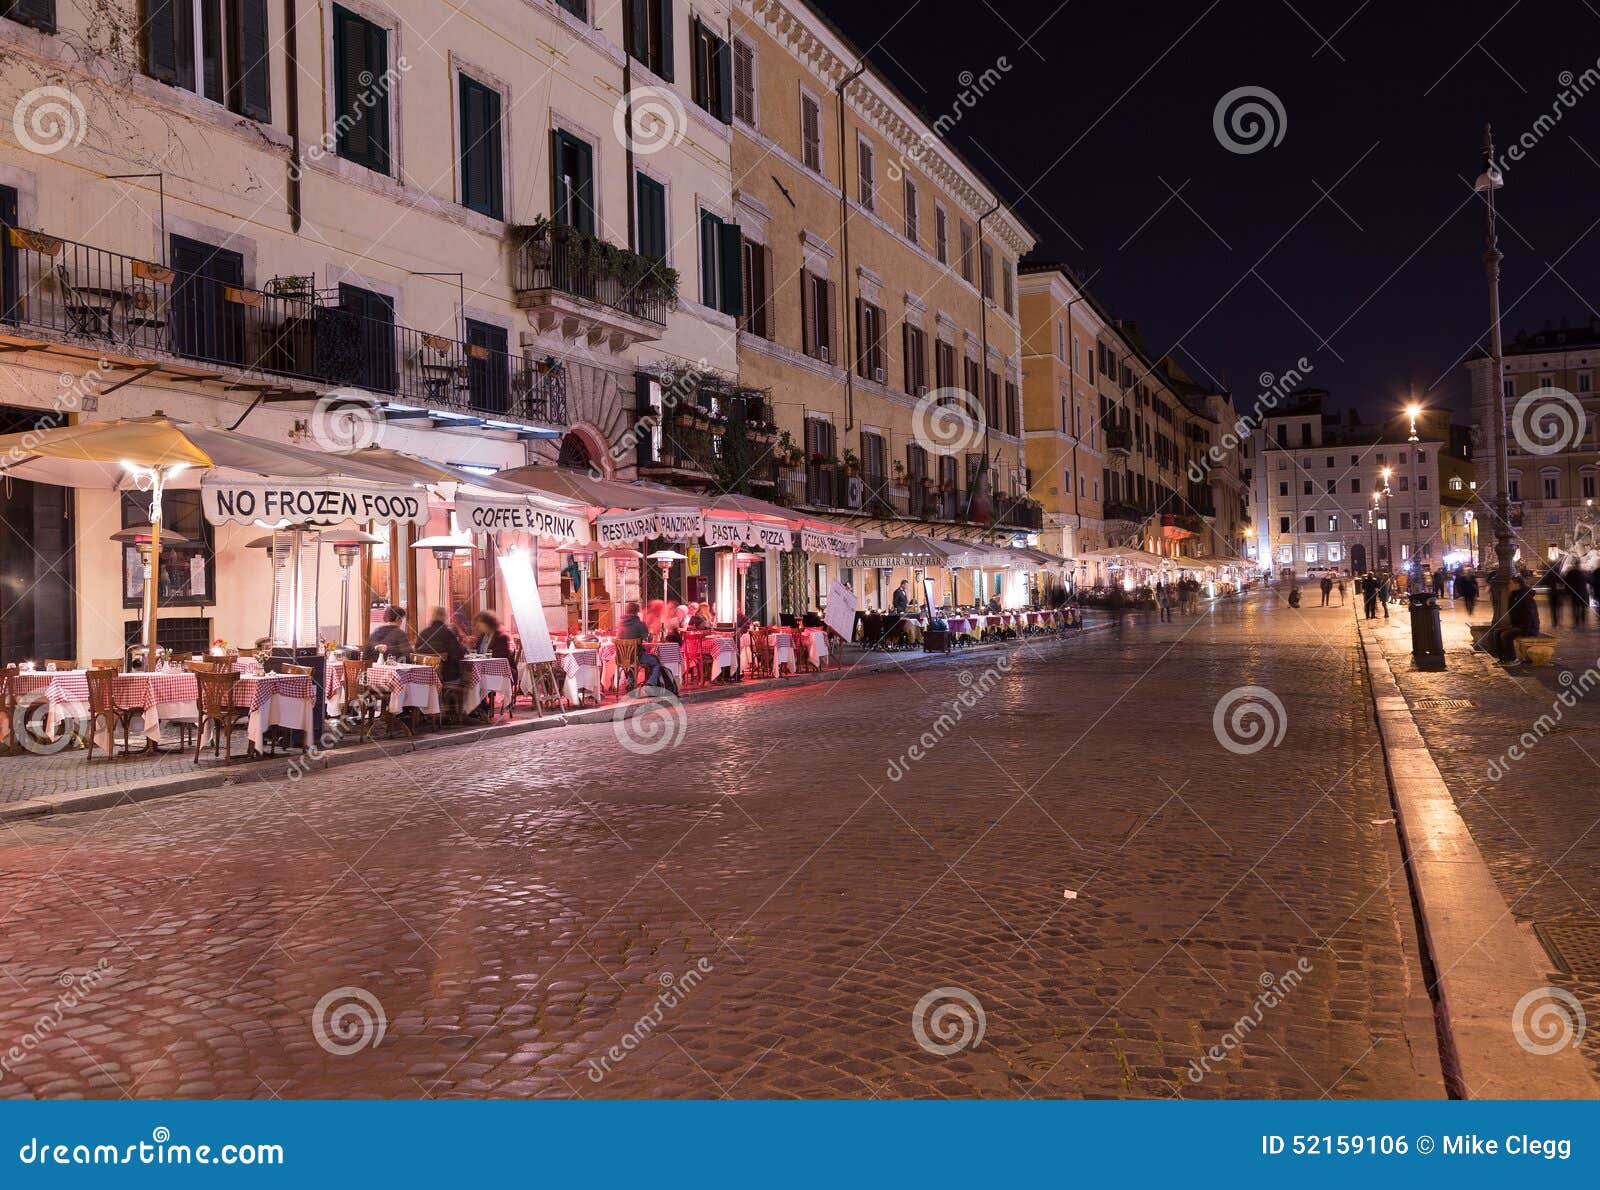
1519	750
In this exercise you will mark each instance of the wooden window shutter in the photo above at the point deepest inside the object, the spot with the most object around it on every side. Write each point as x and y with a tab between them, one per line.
861	339
724	68
636	14
698	48
251	81
744	82
40	14
162	22
664	34
709	272
830	302
732	278
808	316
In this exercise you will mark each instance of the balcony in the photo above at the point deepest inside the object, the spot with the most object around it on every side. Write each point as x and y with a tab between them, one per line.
719	440
293	339
588	290
1019	512
1119	441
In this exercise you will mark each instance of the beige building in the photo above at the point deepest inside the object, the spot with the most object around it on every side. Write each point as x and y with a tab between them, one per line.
1123	452
1552	440
485	230
880	308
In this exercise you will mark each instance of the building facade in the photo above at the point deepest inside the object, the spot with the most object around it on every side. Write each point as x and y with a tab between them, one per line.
1319	496
880	297
1124	452
1552	437
466	232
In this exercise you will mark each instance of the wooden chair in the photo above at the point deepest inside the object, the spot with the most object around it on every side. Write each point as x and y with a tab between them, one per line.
298	671
103	708
761	655
373	704
216	706
112	663
627	665
8	711
59	665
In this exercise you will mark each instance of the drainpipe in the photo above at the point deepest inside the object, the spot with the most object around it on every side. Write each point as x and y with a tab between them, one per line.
983	371
844	249
291	100
627	141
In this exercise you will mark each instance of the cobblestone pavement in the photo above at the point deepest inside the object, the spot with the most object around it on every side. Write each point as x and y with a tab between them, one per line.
1076	868
1536	817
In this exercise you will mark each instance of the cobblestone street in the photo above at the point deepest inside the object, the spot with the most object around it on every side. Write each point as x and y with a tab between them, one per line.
1076	868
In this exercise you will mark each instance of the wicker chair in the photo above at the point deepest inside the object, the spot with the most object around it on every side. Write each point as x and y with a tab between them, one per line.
216	707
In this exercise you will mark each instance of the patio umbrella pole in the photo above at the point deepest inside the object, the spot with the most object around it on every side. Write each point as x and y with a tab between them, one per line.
152	562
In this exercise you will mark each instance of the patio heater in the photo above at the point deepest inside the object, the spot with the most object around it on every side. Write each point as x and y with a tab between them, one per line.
623	560
664	559
152	481
583	556
144	538
296	571
445	548
347	546
742	561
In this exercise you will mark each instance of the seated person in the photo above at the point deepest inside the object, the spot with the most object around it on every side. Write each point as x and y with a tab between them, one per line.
438	637
490	640
994	605
702	619
634	628
391	634
1522	619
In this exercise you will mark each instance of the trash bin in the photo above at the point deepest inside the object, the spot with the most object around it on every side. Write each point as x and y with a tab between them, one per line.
1427	639
936	640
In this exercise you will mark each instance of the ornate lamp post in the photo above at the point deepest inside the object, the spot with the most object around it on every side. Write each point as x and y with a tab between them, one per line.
1388	517
1500	581
1412	411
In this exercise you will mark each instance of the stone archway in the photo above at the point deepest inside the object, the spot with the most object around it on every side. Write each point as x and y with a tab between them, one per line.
583	448
1358	558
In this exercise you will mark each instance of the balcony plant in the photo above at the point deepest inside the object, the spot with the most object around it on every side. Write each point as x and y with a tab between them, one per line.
821	459
788	450
852	462
645	277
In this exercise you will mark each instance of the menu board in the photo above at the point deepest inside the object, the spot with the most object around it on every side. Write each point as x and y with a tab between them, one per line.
841	611
516	568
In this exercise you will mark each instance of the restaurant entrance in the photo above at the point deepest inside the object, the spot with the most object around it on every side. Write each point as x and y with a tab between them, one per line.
37	566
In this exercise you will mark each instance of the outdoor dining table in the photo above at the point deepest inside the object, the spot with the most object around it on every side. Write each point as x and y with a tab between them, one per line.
408	686
158	697
782	651
275	700
816	643
582	670
485	676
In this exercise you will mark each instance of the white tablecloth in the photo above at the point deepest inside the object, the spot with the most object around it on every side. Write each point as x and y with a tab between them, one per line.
275	700
816	645
158	697
485	676
407	686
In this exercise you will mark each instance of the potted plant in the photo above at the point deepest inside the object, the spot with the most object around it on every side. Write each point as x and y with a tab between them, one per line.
852	462
788	451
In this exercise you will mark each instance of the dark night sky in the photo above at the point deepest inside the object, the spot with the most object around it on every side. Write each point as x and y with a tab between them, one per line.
1388	117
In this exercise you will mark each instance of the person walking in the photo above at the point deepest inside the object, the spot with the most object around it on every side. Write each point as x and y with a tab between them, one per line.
1340	585
1385	592
1469	591
1327	589
1369	595
1164	602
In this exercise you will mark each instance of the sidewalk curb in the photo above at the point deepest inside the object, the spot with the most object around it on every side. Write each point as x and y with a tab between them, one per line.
1480	959
148	788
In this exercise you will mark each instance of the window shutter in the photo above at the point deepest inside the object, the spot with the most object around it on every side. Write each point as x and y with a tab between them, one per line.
861	338
161	18
41	14
709	240
724	68
697	48
582	160
830	302
251	81
744	82
808	316
732	282
664	32
637	35
905	351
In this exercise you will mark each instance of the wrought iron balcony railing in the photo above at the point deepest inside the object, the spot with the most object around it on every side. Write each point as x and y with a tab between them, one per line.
555	256
120	304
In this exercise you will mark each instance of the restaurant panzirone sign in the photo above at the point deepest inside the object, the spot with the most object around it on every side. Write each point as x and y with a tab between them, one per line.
755	534
675	524
320	500
479	514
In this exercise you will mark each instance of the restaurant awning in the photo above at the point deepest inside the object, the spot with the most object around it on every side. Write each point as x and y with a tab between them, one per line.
918	550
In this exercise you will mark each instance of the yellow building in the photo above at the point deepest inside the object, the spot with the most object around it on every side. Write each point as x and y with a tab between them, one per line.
465	225
880	308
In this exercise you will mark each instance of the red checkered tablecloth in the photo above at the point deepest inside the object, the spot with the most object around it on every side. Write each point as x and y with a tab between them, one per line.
71	688
252	693
387	677
482	669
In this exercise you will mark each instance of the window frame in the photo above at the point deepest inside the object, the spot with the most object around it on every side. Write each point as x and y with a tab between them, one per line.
500	184
354	11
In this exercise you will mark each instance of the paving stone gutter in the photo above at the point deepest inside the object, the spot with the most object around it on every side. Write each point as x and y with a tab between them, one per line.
273	769
1482	962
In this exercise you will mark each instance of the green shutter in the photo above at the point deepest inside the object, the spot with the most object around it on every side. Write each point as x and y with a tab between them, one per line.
710	238
650	213
664	32
251	84
480	148
41	14
732	272
724	68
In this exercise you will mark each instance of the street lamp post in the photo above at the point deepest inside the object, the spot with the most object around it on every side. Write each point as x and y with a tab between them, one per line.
1499	582
1388	518
1412	411
1373	565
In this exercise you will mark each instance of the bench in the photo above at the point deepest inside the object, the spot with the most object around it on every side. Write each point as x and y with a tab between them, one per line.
1535	650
